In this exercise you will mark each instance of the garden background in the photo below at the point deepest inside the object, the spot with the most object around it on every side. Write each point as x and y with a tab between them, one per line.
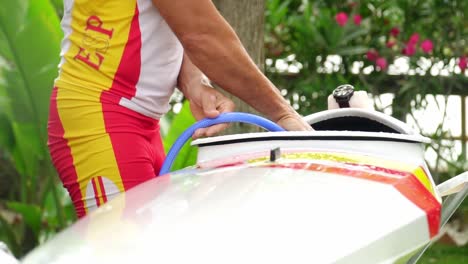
411	56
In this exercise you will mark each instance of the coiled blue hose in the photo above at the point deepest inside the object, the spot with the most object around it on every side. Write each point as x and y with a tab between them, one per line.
222	118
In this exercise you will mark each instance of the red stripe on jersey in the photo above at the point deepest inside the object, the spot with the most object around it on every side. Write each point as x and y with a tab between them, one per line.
103	190
124	138
62	156
128	72
96	192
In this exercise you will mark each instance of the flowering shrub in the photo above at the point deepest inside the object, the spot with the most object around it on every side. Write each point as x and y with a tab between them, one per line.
395	32
409	47
322	44
341	18
381	63
427	46
463	63
357	20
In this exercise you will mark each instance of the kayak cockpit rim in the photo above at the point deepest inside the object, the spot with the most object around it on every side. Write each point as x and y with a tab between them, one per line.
310	136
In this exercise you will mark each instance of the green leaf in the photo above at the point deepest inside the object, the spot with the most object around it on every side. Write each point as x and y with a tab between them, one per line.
32	34
30	37
30	149
277	11
356	50
57	205
319	38
31	215
353	34
58	5
7	138
4	50
187	155
7	235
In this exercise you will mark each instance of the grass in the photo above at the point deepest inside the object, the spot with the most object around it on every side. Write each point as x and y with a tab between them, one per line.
445	254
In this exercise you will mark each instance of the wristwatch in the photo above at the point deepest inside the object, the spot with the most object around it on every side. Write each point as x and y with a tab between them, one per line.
343	94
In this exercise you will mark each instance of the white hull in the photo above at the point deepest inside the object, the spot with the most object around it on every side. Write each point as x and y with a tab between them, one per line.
328	197
250	215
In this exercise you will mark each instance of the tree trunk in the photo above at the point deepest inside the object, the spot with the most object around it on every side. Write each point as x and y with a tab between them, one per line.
247	19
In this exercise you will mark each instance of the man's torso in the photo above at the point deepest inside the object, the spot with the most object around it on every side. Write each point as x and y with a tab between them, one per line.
124	49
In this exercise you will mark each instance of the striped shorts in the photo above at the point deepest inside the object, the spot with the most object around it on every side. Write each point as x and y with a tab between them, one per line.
99	148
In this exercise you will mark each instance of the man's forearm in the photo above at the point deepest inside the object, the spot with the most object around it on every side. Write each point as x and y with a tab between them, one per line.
213	46
189	76
228	65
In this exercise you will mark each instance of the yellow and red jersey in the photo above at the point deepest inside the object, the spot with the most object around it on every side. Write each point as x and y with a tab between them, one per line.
123	48
120	63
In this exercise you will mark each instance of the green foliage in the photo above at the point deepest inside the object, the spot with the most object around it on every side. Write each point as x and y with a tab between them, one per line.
30	213
303	34
27	79
29	46
180	122
58	5
309	54
445	254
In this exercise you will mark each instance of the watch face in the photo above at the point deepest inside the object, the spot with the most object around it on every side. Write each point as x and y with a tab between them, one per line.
343	92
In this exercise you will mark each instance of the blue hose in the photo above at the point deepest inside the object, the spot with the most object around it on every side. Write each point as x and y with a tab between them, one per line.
223	118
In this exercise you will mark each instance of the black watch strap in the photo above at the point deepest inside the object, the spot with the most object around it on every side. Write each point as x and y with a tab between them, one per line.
344	104
343	94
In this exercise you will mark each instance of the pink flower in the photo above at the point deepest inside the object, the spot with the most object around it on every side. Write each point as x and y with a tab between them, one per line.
409	50
372	55
381	63
427	46
390	44
463	63
414	39
341	18
357	19
395	31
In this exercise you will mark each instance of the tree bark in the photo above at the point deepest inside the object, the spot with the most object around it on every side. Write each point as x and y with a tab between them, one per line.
247	19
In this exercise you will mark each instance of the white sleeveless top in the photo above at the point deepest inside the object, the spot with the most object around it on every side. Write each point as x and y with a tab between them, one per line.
122	48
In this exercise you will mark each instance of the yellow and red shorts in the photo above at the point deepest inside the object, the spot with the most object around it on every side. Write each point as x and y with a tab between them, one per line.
100	148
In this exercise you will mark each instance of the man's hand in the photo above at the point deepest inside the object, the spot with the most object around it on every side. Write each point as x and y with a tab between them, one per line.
293	122
206	102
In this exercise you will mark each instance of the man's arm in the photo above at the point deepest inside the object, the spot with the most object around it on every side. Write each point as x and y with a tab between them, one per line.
213	46
204	100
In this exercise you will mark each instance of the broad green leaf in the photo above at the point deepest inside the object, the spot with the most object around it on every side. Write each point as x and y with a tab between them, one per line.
32	35
187	155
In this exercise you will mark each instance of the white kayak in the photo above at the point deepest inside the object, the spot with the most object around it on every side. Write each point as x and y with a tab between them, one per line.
360	194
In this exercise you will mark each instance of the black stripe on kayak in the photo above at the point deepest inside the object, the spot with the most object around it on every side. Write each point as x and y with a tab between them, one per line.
296	138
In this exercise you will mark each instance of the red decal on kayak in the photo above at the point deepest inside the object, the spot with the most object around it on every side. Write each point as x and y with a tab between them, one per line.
406	183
